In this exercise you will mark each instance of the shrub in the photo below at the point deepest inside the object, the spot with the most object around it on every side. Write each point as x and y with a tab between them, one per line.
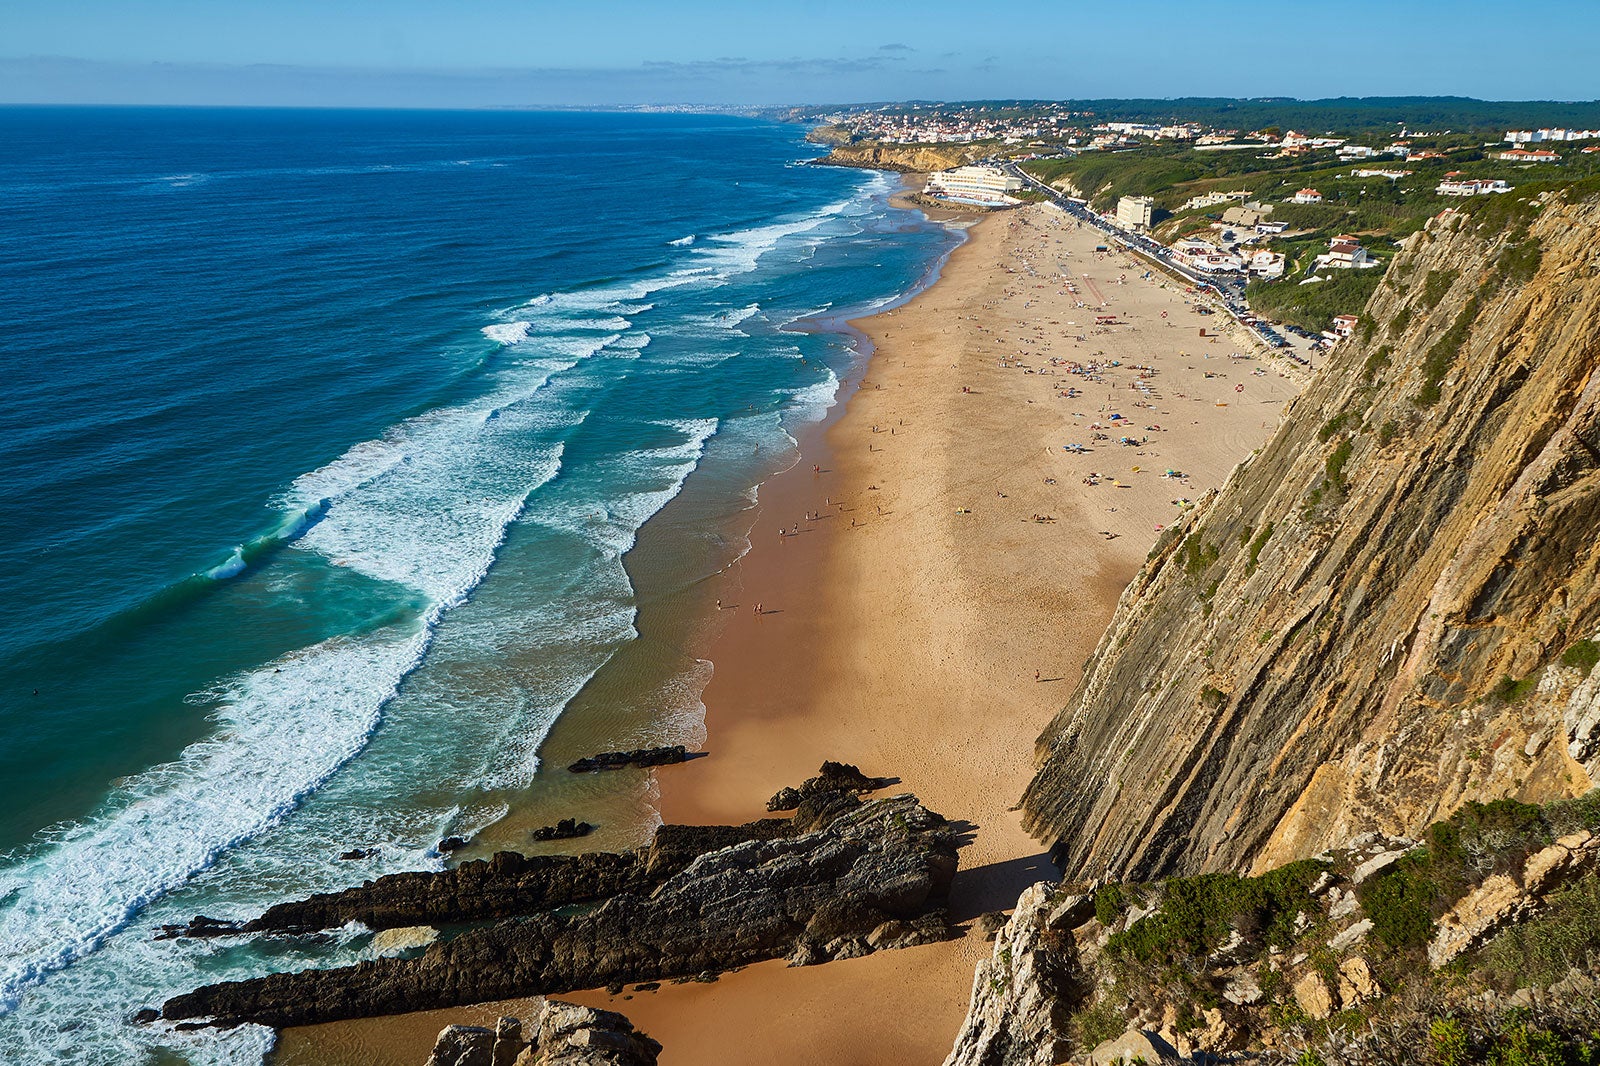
1259	543
1511	690
1434	287
1376	361
1449	1041
1336	461
1332	426
1520	261
1388	432
1540	951
1110	901
1400	902
1101	1022
1442	355
1582	654
1198	913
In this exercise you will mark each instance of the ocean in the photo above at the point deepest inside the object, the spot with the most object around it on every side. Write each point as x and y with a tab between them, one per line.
356	469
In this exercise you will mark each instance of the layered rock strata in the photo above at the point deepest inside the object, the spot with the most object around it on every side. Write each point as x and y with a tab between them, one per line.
1390	610
841	878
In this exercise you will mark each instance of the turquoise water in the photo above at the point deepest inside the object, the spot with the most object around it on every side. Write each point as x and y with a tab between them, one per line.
328	434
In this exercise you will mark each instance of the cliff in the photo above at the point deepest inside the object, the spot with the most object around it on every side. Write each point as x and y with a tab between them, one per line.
1392	609
906	158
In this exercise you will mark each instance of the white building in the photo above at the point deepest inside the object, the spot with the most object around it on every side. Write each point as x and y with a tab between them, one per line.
1538	136
986	186
1345	254
1307	196
1203	255
1134	212
1471	187
1265	264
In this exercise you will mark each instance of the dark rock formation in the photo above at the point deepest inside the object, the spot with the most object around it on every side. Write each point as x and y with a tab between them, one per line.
616	760
833	777
842	878
566	829
562	1034
506	885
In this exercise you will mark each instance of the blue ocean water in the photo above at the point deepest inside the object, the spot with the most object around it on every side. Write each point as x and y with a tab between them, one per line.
326	436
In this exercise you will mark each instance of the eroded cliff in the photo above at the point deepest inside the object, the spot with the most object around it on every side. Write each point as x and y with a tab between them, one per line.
1392	608
906	158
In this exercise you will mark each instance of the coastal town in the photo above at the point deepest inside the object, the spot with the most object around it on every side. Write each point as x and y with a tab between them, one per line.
1291	230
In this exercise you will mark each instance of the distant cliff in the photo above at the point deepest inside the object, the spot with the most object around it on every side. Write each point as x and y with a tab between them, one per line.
1390	610
906	158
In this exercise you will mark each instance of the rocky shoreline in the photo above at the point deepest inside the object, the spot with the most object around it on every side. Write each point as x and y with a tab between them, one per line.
843	877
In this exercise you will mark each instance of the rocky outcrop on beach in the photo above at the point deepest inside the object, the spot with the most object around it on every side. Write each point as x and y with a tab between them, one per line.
1391	610
843	877
560	1034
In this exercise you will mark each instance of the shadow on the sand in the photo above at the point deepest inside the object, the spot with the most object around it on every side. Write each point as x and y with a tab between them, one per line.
995	887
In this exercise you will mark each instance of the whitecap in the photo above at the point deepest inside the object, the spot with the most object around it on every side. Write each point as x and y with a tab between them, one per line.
507	332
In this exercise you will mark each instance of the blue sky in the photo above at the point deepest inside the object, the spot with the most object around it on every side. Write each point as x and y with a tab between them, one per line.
498	53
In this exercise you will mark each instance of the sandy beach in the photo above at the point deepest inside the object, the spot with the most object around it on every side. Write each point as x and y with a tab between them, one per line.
922	592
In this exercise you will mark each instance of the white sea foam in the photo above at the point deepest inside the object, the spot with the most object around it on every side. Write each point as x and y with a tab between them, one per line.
730	319
507	332
681	241
630	343
811	403
426	507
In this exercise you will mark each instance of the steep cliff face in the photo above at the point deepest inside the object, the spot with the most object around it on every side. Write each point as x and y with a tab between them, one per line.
907	158
1388	611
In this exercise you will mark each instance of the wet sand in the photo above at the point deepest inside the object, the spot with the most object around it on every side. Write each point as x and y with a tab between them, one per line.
937	611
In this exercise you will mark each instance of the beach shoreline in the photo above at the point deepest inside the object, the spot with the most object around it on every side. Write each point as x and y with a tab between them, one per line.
936	611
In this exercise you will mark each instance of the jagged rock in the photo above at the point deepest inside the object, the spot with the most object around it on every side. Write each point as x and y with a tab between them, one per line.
386	942
508	1042
1023	994
697	900
449	844
561	1034
1350	936
616	760
1074	909
1342	904
1135	1045
569	1035
1311	992
566	829
1242	989
1378	863
1356	983
1502	898
833	777
1358	620
463	1045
